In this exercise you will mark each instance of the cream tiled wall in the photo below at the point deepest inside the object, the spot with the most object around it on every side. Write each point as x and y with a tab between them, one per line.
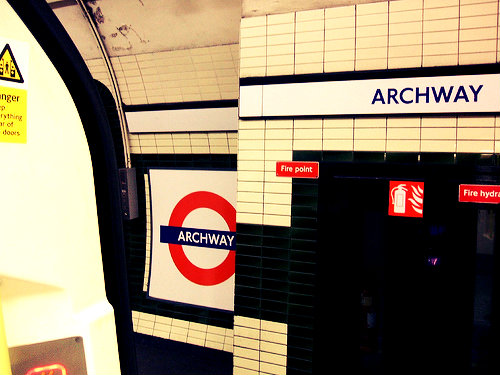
184	331
372	36
184	143
263	198
381	35
280	40
197	74
99	71
340	39
259	347
309	41
405	34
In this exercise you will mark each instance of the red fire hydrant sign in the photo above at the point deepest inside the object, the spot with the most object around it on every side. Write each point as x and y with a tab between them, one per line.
406	198
479	194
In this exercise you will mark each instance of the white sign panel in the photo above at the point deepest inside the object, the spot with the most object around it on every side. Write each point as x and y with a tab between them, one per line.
417	95
182	120
193	241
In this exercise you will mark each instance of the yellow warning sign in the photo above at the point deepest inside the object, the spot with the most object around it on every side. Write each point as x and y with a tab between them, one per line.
9	70
13	109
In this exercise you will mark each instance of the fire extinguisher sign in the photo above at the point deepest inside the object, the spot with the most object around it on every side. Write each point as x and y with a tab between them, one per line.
406	198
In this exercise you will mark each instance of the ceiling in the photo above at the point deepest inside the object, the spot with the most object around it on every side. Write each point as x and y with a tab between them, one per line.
131	27
168	51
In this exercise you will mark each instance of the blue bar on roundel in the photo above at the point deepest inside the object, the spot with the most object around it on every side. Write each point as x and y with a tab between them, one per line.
215	239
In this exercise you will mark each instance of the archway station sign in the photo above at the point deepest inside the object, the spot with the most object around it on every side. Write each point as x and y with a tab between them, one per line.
193	237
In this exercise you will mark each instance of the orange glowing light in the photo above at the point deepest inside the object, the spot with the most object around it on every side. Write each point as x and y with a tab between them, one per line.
55	369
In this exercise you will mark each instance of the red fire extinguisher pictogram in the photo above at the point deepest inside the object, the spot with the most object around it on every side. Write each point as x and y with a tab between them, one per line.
406	198
398	195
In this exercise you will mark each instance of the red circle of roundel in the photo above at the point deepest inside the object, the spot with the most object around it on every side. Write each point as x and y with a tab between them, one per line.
198	275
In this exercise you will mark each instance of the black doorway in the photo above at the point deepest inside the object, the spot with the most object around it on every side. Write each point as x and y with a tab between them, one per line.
412	295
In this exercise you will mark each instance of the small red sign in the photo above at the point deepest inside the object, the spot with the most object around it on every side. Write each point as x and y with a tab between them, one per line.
55	369
479	194
406	198
297	169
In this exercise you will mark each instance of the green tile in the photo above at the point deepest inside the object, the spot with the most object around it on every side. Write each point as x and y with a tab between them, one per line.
437	158
304	256
402	157
303	244
301	299
310	188
278	242
248	239
304	234
370	157
249	229
275	296
476	159
276	285
338	156
307	155
276	231
247	292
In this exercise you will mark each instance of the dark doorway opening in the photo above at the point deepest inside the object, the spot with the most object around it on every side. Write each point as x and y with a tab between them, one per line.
405	294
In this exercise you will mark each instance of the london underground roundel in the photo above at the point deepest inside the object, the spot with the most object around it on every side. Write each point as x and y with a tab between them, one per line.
193	237
191	202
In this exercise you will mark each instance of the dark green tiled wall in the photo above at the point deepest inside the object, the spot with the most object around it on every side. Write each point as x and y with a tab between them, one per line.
275	273
276	267
135	240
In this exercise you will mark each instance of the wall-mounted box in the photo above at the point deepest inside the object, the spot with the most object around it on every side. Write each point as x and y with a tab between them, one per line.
128	193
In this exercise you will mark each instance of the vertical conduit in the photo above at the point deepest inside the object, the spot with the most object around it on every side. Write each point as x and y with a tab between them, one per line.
114	82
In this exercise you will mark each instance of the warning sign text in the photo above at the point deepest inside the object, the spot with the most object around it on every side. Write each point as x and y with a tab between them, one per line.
13	115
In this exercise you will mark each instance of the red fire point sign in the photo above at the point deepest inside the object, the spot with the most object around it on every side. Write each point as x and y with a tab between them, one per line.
406	198
479	194
297	169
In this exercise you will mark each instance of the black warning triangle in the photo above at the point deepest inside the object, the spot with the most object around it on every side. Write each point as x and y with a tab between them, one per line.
9	70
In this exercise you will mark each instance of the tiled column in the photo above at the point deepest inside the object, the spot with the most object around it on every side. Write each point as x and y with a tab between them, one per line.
259	347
